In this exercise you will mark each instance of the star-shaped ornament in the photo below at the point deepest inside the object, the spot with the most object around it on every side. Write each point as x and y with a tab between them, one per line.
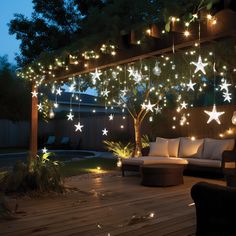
200	66
227	96
157	109
95	76
70	116
137	77
78	127
58	92
40	107
72	88
183	105
224	86
111	117
44	150
149	106
131	72
104	132
214	115
105	93
190	85
34	94
124	92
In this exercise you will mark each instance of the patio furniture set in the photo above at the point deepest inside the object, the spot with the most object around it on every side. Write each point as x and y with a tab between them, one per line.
169	158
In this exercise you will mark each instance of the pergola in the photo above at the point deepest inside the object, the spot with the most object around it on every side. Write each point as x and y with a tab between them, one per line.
157	45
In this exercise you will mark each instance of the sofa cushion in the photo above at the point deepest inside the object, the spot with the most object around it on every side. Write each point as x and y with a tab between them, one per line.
204	162
213	148
151	160
173	146
159	148
190	148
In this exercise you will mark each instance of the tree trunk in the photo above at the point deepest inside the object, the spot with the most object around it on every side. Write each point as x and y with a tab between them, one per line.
138	142
34	129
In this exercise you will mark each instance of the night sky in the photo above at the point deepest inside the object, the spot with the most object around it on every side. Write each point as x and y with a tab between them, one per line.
8	44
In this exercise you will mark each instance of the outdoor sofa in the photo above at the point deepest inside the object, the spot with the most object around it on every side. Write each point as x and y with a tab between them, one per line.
206	154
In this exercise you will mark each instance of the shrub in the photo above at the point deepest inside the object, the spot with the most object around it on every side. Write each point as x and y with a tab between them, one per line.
43	177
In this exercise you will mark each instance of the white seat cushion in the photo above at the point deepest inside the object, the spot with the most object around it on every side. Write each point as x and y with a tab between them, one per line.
213	148
190	148
159	148
150	160
204	162
173	146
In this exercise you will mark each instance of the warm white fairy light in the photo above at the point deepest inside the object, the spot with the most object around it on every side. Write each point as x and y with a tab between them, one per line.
157	70
214	115
111	117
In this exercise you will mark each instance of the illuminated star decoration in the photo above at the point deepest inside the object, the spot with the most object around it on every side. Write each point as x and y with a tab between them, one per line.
124	92
44	150
224	86
183	105
34	94
111	117
199	65
40	107
227	96
131	72
105	93
157	70
137	77
183	120
148	107
58	92
214	115
104	132
70	116
78	127
190	85
157	109
95	76
72	87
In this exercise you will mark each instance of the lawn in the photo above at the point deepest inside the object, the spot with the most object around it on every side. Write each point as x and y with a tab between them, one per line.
97	165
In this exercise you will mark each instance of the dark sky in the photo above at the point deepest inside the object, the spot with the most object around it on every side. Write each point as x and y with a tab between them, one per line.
8	44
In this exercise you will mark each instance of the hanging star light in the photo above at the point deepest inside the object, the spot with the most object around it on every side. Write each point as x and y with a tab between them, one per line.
157	70
78	127
131	72
137	77
58	92
157	109
224	85
95	76
104	132
34	94
44	150
149	106
40	107
183	105
199	65
227	96
214	115
190	85
111	117
105	93
70	116
72	88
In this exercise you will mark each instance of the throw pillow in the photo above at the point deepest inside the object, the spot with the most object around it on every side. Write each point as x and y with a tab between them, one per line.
173	146
190	148
159	148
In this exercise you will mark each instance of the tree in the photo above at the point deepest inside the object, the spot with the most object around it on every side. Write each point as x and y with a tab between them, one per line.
14	93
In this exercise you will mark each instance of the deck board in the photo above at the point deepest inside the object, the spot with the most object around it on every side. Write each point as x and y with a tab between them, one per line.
108	205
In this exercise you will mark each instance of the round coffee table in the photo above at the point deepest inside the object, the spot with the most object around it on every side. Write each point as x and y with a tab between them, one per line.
162	175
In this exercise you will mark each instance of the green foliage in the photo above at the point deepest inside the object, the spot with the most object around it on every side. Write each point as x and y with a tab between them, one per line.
14	93
145	141
44	176
119	149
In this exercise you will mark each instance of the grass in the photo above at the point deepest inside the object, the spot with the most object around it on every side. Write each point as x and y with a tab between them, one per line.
88	166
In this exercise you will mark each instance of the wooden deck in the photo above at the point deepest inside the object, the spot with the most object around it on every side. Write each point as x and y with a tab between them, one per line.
108	205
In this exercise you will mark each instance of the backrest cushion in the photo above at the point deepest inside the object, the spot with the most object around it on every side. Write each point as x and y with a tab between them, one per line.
173	146
159	148
191	148
213	148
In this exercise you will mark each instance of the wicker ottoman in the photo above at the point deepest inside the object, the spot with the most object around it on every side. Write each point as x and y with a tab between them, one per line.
162	175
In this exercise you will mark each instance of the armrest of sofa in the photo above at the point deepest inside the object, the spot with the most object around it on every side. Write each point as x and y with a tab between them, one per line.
229	157
215	209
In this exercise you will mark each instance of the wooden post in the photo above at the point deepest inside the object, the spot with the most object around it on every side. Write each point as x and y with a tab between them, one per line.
138	142
34	128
